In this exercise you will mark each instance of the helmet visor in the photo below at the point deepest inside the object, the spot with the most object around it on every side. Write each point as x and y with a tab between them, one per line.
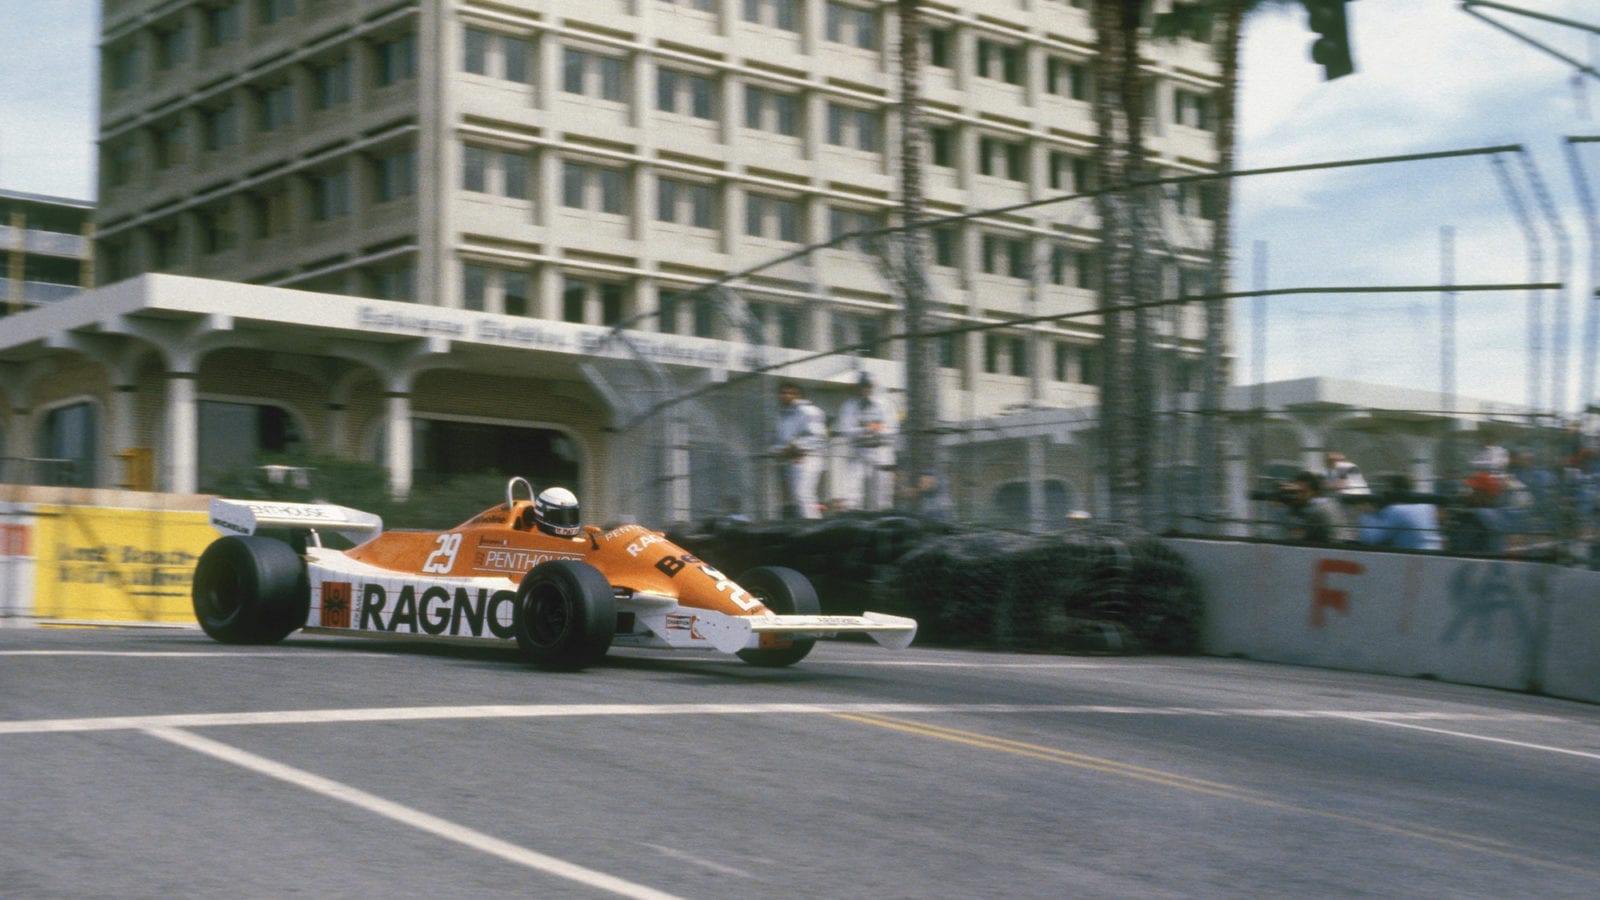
561	516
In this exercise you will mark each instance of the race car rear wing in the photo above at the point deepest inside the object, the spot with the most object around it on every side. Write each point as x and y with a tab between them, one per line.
249	516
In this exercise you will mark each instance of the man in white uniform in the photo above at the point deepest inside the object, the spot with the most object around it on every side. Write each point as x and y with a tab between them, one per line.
868	427
800	439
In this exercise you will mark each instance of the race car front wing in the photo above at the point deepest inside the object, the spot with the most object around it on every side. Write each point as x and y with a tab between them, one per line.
730	634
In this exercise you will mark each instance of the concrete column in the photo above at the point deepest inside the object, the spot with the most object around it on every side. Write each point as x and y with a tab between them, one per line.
397	422
1035	447
181	464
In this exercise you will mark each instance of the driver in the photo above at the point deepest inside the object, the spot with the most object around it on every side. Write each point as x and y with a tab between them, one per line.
555	511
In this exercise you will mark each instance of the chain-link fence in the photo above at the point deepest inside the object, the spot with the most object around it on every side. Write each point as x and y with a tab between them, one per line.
1373	361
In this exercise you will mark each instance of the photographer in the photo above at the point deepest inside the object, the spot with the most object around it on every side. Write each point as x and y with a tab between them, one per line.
1397	519
1311	517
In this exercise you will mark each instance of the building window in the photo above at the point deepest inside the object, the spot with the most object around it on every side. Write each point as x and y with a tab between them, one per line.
164	248
515	295
269	12
1069	172
332	83
592	74
396	59
474	169
1086	269
942	146
218	232
858	333
271	213
122	162
1003	159
275	107
1002	62
501	172
172	46
781	14
394	175
479	58
842	221
475	53
769	110
686	202
1066	78
856	128
223	23
698	5
221	127
592	188
123	65
941	47
946	246
772	217
852	25
172	145
1006	256
581	300
474	287
686	94
395	283
514	53
68	445
1192	109
330	196
1005	354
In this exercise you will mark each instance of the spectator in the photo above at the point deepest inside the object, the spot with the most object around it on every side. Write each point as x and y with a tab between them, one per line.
1397	520
801	437
1341	476
1478	527
927	497
867	424
1313	518
1491	458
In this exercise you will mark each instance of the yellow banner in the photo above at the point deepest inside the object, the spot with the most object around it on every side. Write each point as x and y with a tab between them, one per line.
117	565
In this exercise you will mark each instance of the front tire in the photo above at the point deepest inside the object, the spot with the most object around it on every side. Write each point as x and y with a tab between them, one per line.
250	590
565	615
787	593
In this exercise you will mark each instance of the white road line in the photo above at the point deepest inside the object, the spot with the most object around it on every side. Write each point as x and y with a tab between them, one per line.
405	815
232	654
535	711
1524	745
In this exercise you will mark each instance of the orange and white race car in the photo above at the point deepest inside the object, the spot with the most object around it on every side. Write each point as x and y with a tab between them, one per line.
565	600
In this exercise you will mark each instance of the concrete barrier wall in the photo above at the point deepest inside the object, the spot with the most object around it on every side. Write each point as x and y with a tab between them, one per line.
99	556
1496	623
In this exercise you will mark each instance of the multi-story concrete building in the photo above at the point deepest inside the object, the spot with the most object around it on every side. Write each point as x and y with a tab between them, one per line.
560	166
47	249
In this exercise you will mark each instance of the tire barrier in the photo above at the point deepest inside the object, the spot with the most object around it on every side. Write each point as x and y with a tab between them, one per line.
1091	588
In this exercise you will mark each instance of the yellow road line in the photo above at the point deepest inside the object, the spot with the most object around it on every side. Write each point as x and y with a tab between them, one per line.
1488	846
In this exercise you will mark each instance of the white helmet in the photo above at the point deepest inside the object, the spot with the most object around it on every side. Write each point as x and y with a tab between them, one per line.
555	511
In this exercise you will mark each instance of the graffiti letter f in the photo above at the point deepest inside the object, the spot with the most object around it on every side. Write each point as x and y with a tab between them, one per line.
1324	597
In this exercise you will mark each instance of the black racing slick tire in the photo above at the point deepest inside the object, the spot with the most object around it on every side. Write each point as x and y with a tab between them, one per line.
250	590
787	593
566	615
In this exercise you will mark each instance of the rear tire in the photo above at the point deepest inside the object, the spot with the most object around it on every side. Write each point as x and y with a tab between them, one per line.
565	615
787	593
250	590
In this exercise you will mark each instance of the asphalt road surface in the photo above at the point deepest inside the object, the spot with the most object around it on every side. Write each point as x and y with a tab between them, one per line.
141	762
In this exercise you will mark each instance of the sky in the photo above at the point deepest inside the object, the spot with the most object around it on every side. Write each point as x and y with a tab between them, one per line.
1429	78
